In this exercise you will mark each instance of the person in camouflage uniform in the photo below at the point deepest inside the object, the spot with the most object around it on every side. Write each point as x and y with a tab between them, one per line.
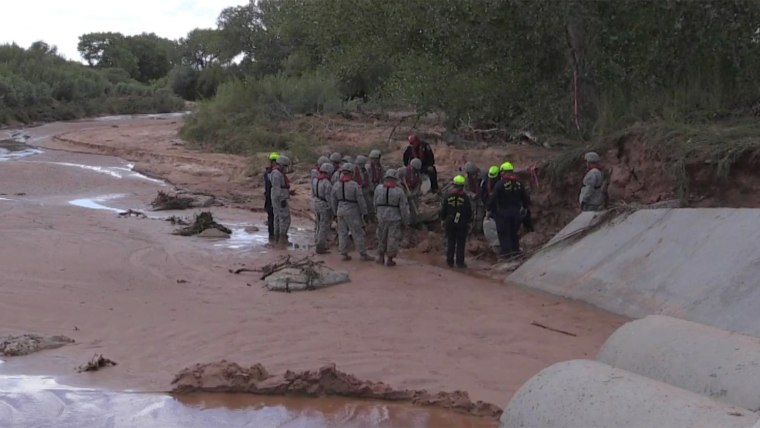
336	159
361	176
392	211
280	196
324	214
591	197
348	204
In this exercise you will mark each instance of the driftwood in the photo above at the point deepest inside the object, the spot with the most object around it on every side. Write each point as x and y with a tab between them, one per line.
96	363
165	201
132	213
202	222
556	330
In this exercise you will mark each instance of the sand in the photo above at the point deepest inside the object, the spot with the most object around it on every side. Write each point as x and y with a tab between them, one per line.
158	303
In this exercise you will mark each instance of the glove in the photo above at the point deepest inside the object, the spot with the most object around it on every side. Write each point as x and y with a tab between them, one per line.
284	203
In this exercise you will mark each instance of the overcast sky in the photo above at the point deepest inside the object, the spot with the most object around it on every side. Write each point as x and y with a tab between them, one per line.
61	22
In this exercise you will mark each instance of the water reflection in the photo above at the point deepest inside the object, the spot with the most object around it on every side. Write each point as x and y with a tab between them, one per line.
35	401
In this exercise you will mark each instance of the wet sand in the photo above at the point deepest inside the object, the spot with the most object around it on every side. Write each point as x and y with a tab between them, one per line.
157	303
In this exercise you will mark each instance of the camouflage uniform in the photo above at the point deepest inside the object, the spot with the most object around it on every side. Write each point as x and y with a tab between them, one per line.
348	204
360	171
280	196
392	211
592	193
324	214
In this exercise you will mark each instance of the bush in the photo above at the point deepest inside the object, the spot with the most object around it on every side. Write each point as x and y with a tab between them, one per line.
38	85
240	118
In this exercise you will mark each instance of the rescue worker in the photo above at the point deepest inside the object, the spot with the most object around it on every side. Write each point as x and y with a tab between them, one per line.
335	158
486	188
472	188
322	208
392	211
268	193
280	196
456	215
413	182
361	176
315	170
376	174
375	169
507	203
348	204
591	197
421	150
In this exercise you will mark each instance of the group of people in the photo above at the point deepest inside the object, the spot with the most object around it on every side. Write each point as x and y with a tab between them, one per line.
355	192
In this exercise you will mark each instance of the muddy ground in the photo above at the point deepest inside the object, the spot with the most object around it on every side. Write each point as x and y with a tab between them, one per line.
157	303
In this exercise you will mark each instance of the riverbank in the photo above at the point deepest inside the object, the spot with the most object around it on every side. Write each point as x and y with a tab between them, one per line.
157	303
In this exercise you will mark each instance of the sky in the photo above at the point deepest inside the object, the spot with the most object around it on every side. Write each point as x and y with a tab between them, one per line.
61	22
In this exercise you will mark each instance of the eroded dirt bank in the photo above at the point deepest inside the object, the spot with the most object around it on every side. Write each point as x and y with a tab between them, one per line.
157	303
225	376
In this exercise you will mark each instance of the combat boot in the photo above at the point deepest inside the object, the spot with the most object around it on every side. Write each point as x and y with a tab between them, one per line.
381	259
367	258
390	262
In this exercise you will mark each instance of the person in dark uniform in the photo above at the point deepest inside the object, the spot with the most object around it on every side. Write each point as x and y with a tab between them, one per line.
507	204
268	193
456	215
421	150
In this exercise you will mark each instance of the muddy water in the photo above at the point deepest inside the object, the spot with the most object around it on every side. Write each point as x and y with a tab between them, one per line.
110	186
34	401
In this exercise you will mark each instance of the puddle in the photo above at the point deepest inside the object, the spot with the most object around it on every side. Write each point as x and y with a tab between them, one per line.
242	239
95	203
15	149
37	401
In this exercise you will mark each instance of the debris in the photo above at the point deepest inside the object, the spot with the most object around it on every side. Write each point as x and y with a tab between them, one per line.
14	346
202	222
132	213
175	221
181	281
553	329
165	201
229	377
303	274
96	363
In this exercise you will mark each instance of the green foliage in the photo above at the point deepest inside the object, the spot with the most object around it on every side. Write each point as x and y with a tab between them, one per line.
240	119
38	85
143	57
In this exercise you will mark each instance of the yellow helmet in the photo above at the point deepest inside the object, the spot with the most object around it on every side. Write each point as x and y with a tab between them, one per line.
273	156
493	171
458	180
507	166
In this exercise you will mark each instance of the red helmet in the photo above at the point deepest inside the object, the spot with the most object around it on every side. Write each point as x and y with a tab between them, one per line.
413	140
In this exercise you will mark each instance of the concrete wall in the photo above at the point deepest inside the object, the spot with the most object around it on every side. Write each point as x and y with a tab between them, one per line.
701	359
701	265
590	394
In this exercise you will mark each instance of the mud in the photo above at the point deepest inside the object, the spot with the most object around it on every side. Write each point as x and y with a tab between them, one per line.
14	346
224	376
419	327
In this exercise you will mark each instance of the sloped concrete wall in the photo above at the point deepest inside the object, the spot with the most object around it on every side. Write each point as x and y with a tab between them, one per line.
709	361
702	265
590	394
